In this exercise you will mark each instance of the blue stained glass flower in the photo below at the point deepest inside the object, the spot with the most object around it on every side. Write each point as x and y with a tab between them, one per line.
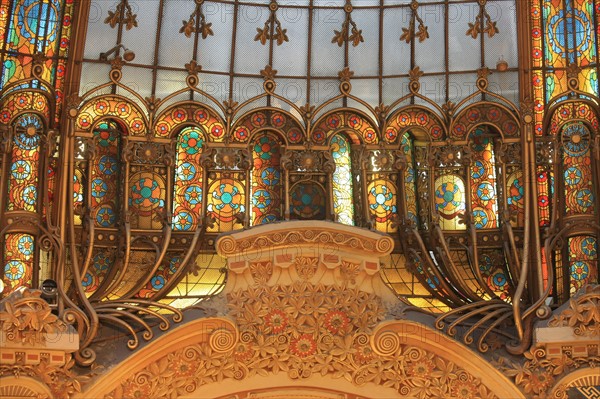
261	199
14	270
101	262
579	270
25	245
480	218
270	176
573	176
105	217
99	188
589	247
477	170
174	264
158	282
485	191
585	198
485	263
21	170
108	165
30	195
186	171
87	280
499	280
193	195
182	221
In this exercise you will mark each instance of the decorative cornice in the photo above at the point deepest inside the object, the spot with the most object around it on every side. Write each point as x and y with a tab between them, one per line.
310	233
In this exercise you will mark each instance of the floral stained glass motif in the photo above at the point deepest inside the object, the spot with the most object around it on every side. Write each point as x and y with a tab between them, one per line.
450	201
410	179
146	199
307	201
382	197
583	262
577	169
105	172
18	260
187	201
342	180
484	201
24	168
226	200
266	183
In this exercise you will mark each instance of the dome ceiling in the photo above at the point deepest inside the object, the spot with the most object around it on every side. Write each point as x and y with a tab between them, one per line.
308	43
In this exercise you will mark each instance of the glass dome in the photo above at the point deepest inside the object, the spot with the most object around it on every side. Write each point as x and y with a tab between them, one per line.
308	43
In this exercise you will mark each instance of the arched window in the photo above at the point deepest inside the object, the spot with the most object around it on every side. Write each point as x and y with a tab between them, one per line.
188	189
19	252
28	27
343	198
266	180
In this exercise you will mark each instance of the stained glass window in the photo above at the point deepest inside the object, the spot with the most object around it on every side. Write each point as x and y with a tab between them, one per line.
577	169
563	34
450	201
24	169
29	27
105	174
266	180
484	202
226	201
18	259
342	180
583	262
410	179
307	201
187	201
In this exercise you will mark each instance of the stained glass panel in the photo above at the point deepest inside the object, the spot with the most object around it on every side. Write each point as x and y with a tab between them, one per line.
545	189
19	250
484	202
382	196
146	199
342	180
515	198
226	202
102	261
187	201
105	173
23	178
577	169
162	276
450	201
583	262
307	201
266	180
410	179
